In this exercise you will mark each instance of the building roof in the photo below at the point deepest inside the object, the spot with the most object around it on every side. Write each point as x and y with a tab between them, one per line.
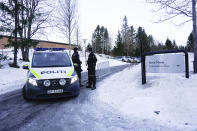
52	42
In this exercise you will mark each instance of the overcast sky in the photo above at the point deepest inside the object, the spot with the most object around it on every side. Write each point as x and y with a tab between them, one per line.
110	13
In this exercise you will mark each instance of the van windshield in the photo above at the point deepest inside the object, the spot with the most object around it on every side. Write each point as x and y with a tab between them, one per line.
50	59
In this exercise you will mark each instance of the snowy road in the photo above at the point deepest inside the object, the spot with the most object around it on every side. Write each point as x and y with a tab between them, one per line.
84	113
73	114
16	113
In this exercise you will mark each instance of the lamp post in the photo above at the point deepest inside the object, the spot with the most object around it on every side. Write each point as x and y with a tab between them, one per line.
84	40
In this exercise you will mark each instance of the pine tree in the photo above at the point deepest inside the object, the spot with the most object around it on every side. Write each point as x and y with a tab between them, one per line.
9	23
102	31
142	42
128	38
125	36
118	49
96	40
168	44
101	40
106	42
131	41
23	18
190	43
174	45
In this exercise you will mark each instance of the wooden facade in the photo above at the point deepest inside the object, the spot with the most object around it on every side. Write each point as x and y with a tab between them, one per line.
41	44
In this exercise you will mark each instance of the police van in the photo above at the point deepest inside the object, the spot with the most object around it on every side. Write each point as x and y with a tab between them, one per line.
51	74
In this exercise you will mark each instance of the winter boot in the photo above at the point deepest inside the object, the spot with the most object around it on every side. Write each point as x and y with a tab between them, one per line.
88	86
93	88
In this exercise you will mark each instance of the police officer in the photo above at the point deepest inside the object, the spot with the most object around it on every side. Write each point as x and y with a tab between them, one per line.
91	69
77	64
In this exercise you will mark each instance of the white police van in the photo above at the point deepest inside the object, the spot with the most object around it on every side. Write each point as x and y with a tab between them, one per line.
51	75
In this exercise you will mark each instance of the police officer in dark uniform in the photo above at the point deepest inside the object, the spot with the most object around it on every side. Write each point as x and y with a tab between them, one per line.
91	69
77	64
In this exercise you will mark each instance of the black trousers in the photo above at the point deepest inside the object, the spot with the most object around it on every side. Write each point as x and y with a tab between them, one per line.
91	77
79	75
78	71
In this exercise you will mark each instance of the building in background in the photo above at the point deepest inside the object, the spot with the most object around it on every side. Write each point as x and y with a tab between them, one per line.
41	44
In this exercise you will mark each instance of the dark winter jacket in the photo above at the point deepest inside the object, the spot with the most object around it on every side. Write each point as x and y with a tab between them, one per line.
91	61
76	61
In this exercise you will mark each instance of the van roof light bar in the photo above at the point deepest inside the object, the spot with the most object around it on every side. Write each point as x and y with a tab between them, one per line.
51	49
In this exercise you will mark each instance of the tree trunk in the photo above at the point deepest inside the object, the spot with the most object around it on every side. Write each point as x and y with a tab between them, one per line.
28	37
195	35
15	34
23	52
69	37
15	55
69	45
26	54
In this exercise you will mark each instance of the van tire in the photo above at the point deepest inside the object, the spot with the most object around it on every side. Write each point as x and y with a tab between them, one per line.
24	94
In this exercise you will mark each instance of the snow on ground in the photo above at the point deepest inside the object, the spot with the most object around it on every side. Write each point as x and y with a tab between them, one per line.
168	99
14	78
100	59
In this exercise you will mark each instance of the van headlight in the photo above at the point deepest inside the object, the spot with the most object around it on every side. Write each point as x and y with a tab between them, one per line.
32	81
47	83
62	82
74	79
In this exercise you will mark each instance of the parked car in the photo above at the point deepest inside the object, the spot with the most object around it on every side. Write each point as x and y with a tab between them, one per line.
130	60
118	58
124	58
137	59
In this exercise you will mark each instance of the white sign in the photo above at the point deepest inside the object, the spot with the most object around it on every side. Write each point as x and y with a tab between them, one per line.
165	63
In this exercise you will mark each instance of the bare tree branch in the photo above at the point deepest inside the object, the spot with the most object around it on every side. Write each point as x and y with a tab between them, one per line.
67	19
173	8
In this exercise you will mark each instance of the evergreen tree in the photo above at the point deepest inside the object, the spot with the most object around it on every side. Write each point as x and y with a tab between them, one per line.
102	30
23	18
128	38
9	11
33	18
190	43
96	40
124	29
168	44
150	41
131	41
118	49
125	36
174	45
181	47
106	42
100	40
142	42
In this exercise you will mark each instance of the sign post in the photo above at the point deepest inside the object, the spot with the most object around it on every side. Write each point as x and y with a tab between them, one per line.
165	62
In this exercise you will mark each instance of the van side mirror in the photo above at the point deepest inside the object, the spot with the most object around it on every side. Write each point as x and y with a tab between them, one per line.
26	67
